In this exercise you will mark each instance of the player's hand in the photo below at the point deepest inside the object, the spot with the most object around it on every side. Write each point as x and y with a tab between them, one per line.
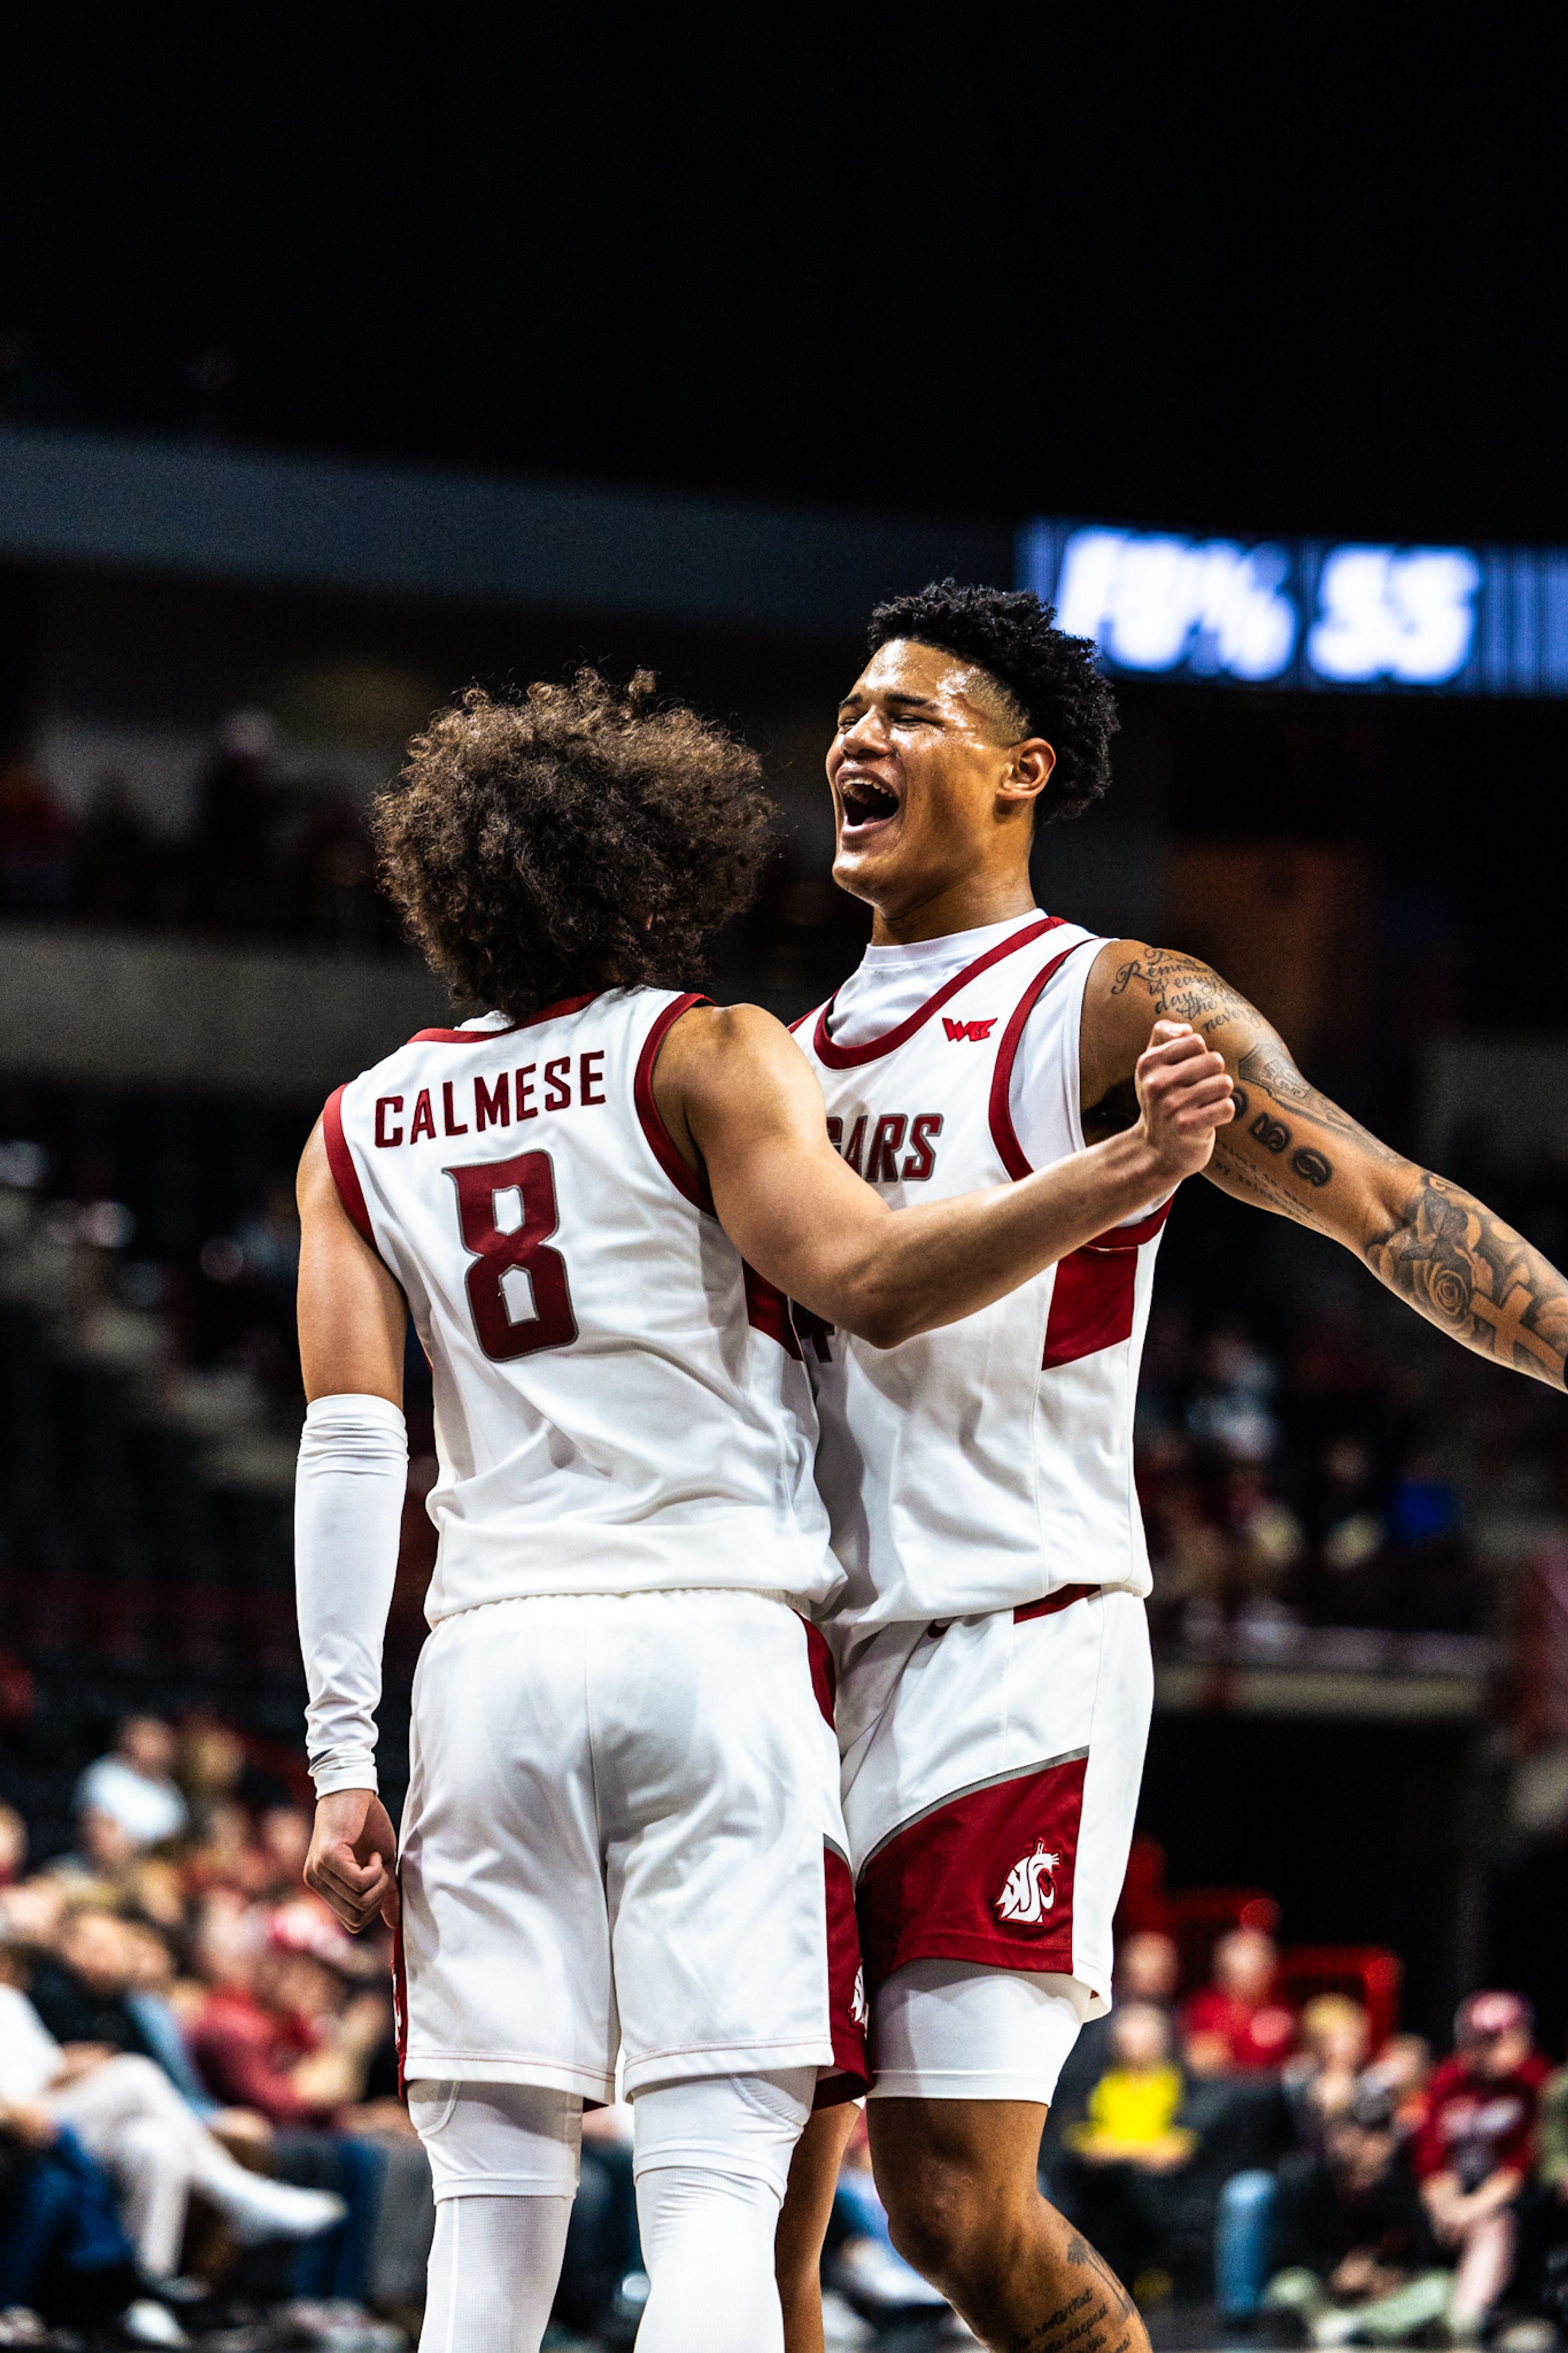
1184	1095
353	1862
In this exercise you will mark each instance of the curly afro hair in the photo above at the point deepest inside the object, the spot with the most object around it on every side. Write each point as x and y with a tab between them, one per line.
1048	677
578	838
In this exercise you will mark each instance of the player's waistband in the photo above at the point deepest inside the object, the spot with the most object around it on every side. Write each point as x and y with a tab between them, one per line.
918	1607
740	1552
648	1598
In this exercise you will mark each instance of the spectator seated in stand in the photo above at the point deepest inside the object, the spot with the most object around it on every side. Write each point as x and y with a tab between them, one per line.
104	1854
1402	2068
1148	1969
1323	2078
81	1989
1237	2022
123	2112
1473	2155
1319	2088
1132	2109
134	1785
291	2031
278	2034
63	2253
348	2163
1352	2248
1124	2154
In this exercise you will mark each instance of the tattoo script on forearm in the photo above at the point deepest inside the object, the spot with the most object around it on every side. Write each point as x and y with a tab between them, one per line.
1433	1245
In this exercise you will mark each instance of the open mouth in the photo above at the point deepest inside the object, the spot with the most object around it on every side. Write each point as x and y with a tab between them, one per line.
866	803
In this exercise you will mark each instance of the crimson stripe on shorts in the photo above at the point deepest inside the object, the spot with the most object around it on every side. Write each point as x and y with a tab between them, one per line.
823	1672
851	2075
987	1781
1003	1134
1063	1599
399	2000
938	1888
845	1057
661	1143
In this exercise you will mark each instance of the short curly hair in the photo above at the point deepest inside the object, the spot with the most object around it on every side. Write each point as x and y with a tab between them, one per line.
576	838
1048	677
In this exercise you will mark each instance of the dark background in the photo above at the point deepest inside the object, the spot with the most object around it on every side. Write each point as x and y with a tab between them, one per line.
1251	270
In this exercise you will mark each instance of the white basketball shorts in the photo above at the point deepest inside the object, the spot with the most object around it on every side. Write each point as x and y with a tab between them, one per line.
990	1785
623	1833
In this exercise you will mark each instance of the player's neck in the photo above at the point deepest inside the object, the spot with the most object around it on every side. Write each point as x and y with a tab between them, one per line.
967	904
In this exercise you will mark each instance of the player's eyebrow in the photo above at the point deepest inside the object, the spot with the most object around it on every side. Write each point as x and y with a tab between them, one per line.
858	702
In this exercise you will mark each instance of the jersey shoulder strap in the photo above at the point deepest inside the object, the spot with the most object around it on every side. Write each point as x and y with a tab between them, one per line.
1004	1135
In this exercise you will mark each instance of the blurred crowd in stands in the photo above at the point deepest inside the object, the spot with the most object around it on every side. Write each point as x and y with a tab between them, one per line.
262	858
1292	1488
199	2119
201	2137
1317	2174
272	854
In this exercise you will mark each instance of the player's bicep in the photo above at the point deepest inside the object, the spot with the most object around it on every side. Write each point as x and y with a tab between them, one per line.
352	1316
787	1201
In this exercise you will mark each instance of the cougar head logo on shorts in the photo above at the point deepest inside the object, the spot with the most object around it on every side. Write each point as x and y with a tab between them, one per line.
1031	1890
858	1998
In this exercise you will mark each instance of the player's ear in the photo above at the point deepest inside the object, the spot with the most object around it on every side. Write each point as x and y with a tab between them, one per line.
1029	768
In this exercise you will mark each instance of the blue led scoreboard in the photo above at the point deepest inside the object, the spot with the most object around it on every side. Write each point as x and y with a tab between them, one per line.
1336	614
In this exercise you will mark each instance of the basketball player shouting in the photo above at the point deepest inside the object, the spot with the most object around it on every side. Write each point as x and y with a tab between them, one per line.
995	1689
622	1812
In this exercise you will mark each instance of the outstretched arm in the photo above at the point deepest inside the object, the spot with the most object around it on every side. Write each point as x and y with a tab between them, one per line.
743	1105
1291	1150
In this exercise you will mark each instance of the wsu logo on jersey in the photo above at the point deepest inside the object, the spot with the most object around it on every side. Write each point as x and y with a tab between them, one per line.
976	1032
1031	1889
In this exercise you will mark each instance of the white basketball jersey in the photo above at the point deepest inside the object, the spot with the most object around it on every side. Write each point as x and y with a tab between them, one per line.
620	1402
988	1464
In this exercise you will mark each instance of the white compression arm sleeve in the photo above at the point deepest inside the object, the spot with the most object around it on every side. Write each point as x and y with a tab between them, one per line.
348	1516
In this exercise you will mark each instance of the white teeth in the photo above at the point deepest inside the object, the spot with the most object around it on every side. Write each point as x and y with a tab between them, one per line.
867	807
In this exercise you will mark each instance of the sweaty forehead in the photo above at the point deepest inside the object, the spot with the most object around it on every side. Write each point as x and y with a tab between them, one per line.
906	667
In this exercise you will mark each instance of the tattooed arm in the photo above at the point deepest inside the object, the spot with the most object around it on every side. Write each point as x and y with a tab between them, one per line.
1292	1151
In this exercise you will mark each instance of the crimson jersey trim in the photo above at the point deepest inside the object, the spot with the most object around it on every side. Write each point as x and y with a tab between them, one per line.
477	1037
341	1161
845	1058
1003	1133
660	1142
